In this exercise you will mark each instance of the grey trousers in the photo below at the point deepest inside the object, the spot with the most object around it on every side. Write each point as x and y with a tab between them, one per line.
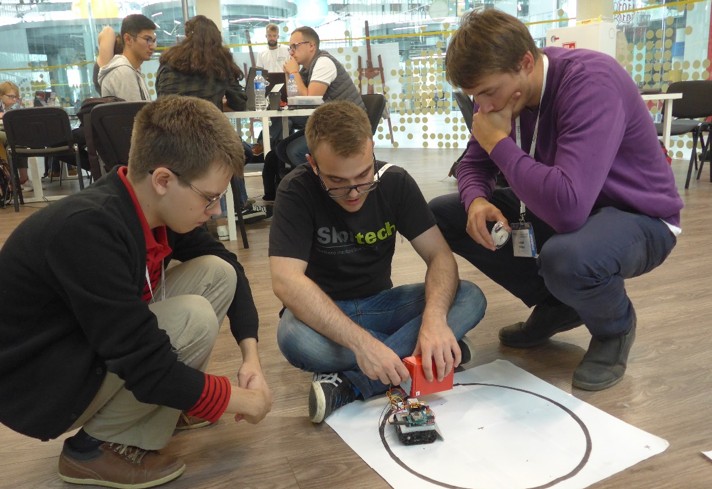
197	296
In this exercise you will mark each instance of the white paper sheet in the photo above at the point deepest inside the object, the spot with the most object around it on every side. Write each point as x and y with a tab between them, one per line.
502	428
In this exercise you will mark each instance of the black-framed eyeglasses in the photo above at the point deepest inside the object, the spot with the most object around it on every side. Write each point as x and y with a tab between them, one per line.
10	95
341	192
211	200
149	40
293	47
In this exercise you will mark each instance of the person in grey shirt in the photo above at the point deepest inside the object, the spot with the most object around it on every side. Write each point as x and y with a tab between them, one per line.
121	77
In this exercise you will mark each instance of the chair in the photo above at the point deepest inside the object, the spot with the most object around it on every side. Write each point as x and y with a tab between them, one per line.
466	105
695	104
38	131
375	105
110	131
467	109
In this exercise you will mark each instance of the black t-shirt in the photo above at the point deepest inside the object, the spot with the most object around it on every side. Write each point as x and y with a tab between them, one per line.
349	254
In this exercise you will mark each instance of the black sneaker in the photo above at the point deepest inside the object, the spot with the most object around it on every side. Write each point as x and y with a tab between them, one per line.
328	393
467	350
253	213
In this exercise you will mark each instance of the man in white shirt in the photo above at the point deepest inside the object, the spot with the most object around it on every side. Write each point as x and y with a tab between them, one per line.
321	75
273	58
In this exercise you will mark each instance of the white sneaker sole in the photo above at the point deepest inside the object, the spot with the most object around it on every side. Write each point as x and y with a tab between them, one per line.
316	395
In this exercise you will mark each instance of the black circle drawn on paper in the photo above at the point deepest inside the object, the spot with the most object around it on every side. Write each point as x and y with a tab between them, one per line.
573	472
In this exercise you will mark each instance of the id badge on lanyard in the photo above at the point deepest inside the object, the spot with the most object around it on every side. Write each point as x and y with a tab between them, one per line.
523	241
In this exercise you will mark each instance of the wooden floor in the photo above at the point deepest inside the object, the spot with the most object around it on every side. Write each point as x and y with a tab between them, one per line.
667	389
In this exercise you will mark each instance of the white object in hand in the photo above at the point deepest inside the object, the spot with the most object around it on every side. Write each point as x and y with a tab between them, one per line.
500	235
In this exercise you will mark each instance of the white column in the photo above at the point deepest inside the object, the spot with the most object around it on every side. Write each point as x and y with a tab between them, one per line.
591	9
211	9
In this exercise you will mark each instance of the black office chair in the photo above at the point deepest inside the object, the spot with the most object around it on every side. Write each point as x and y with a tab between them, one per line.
466	106
111	125
689	113
375	105
38	131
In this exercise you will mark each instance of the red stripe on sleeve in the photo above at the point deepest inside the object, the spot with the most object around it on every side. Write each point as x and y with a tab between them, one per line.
214	399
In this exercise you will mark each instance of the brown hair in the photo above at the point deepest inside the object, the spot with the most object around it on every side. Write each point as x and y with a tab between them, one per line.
343	125
186	134
308	34
202	52
486	43
272	28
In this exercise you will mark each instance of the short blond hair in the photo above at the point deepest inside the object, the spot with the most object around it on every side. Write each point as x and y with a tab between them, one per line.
343	125
7	86
186	134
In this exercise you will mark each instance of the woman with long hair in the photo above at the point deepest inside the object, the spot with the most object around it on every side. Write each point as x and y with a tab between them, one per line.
201	66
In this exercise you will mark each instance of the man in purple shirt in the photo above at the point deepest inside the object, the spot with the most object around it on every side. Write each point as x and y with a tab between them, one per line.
592	200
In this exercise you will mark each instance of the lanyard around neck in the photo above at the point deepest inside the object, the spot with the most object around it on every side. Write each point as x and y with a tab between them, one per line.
545	62
162	283
532	149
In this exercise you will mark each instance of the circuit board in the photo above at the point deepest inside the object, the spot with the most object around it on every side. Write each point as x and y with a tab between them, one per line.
414	422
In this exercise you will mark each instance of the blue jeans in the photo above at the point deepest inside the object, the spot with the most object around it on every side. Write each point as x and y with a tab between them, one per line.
296	150
393	316
584	269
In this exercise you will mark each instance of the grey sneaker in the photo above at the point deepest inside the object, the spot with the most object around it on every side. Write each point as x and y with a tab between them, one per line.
328	393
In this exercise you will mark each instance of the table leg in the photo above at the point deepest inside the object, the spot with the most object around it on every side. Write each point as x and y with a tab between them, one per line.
667	126
231	227
265	135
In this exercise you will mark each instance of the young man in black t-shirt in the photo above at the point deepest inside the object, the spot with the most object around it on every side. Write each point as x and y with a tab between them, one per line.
331	246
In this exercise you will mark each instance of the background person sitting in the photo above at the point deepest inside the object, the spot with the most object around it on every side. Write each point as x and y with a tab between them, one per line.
321	75
10	100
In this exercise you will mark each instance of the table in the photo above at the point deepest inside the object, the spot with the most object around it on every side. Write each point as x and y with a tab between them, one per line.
265	116
668	99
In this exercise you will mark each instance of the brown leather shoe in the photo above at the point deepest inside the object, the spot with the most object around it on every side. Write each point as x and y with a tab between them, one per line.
118	466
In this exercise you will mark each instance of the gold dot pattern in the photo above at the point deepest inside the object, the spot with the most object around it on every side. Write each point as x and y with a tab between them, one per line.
657	55
662	45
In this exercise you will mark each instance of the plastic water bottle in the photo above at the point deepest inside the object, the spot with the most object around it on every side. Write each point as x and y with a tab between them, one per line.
292	90
260	88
